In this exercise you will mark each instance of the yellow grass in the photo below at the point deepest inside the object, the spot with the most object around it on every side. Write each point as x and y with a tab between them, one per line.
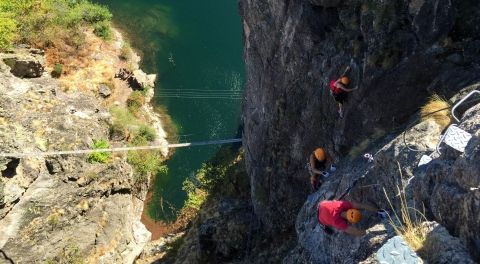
410	229
429	111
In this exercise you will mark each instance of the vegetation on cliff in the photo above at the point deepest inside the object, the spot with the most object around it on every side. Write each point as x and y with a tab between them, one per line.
49	22
212	176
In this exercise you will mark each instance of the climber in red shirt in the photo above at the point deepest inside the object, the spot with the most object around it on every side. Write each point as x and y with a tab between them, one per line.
338	89
338	214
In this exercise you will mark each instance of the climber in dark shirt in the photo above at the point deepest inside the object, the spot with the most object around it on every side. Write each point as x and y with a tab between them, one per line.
318	163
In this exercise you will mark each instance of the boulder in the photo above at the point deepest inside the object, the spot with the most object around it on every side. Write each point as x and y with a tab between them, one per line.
25	66
442	248
104	90
137	79
143	79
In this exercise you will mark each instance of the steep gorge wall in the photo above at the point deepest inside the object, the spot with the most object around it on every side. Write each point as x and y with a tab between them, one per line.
400	52
65	208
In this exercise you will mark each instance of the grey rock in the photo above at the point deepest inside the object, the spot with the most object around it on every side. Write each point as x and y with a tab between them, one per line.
434	20
397	51
137	79
442	248
449	186
63	205
455	58
25	67
104	90
37	52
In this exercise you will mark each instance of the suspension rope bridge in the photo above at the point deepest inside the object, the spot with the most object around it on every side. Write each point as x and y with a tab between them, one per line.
119	149
199	94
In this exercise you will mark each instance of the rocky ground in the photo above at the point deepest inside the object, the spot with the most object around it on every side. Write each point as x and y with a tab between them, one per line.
445	190
64	209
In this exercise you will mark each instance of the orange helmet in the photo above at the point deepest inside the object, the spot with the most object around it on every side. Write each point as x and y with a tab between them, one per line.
354	216
344	80
320	154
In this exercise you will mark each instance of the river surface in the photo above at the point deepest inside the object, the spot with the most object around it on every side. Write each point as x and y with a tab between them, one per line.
195	47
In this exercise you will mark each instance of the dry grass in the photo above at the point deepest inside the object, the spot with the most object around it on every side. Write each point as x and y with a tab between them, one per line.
438	110
410	229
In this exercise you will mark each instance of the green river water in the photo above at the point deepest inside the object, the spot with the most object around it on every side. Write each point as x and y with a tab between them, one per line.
195	47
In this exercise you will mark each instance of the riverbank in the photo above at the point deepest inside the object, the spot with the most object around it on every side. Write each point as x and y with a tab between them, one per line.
95	67
74	84
106	58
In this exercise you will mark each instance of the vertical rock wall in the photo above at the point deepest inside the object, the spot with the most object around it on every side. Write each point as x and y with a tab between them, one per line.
400	52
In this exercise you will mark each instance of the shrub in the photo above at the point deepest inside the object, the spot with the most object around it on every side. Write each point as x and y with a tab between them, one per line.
93	13
8	29
103	30
135	101
45	22
211	176
124	117
145	162
70	254
57	70
76	39
195	196
126	52
147	133
118	131
101	157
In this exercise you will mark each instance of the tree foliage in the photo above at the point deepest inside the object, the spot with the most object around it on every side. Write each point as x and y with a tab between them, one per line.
43	22
101	157
8	28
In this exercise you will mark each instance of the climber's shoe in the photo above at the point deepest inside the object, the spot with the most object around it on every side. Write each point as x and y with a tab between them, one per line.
382	214
333	168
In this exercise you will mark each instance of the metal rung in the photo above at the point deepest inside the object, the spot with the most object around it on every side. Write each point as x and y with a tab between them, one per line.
461	102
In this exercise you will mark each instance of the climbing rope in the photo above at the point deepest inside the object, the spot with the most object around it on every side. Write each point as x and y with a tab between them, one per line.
6	257
370	158
119	149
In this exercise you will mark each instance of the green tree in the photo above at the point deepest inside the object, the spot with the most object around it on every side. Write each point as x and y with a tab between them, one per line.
8	28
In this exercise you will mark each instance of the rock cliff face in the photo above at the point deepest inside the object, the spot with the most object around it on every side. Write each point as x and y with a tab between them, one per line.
445	190
400	52
444	187
61	209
